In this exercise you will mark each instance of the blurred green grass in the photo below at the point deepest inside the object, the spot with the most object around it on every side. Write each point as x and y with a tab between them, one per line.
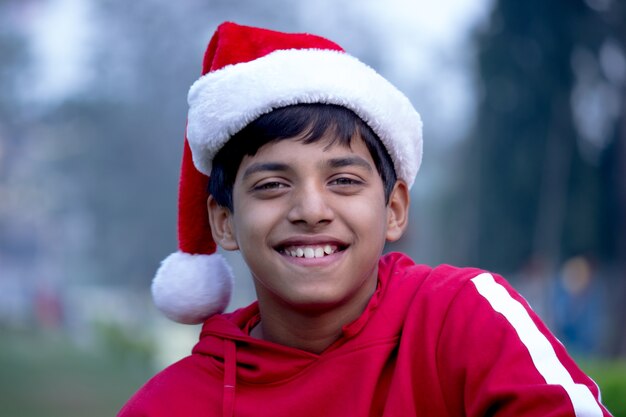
44	374
611	378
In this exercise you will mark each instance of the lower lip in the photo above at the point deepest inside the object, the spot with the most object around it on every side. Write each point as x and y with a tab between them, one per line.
313	262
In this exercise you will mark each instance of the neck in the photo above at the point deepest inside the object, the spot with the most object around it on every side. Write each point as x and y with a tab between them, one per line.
311	330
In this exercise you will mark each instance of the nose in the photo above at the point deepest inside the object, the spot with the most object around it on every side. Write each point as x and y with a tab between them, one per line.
310	206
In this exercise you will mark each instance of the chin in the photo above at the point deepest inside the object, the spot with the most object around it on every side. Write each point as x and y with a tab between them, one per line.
319	302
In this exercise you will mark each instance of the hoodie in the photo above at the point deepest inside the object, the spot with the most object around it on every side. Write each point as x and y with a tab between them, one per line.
441	341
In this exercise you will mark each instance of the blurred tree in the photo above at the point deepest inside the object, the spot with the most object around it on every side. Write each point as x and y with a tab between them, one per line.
545	161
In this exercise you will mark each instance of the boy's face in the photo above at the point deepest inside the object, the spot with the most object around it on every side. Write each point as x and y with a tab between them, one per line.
310	221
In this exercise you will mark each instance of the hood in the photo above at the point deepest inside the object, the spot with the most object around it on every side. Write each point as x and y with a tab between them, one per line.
258	361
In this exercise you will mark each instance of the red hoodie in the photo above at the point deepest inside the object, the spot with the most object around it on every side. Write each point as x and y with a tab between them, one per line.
431	342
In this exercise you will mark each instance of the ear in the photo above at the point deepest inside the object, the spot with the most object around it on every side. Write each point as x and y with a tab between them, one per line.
398	211
220	219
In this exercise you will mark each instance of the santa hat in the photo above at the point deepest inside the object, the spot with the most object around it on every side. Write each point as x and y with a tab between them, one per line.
248	72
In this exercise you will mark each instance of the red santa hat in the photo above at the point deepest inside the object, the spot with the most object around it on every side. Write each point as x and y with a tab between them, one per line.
246	73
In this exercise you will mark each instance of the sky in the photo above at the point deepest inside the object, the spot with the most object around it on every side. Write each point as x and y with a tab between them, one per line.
60	36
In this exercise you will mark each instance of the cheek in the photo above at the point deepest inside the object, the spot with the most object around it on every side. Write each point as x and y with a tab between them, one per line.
367	218
371	209
253	222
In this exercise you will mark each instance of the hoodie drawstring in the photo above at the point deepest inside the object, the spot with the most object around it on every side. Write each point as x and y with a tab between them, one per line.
230	377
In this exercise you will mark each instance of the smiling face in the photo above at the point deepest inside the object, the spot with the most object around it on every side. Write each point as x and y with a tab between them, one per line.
310	221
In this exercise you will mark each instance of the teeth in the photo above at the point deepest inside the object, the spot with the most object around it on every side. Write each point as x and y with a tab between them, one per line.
310	251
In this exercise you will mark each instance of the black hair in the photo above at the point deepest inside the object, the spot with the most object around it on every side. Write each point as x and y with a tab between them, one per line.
308	121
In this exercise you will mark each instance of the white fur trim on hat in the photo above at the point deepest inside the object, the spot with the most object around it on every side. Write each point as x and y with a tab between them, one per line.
223	102
190	288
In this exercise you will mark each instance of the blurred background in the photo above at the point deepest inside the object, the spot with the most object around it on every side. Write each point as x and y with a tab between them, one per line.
523	174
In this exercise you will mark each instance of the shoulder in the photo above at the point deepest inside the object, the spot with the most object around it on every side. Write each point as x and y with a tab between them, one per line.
443	280
455	296
420	291
177	390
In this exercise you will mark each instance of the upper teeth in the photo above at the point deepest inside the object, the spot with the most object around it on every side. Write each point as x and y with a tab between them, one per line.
310	251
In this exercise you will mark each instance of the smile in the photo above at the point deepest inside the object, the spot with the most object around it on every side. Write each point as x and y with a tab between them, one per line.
316	251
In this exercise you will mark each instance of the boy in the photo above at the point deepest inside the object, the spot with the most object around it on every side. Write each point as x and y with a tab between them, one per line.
308	156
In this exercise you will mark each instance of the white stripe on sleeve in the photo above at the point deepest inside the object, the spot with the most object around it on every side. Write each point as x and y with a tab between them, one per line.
541	351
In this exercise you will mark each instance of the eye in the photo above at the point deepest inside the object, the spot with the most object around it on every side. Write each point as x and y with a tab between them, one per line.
270	185
345	181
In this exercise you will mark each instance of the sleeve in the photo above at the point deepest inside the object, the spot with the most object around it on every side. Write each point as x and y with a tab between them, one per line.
502	359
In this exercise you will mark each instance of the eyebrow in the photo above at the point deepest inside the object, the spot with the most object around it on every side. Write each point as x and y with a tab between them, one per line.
265	166
331	163
349	161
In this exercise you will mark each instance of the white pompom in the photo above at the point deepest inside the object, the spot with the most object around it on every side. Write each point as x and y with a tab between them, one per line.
190	288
